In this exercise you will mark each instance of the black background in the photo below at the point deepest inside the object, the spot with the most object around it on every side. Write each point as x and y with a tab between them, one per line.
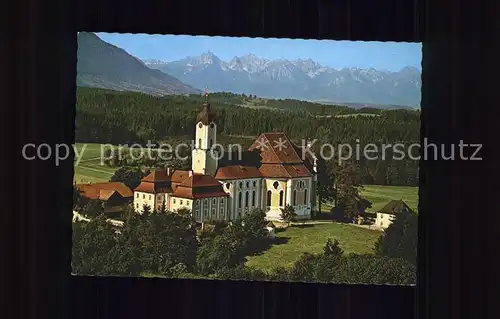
457	212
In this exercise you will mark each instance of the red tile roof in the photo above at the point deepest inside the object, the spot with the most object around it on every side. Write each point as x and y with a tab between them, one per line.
105	194
104	191
152	188
308	156
158	175
297	170
193	193
199	186
272	153
174	186
198	180
159	181
237	172
284	171
179	176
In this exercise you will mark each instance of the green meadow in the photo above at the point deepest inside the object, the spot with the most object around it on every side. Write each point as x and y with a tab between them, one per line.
89	168
311	238
380	195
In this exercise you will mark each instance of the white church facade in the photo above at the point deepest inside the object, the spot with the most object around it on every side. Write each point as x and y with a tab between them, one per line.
278	176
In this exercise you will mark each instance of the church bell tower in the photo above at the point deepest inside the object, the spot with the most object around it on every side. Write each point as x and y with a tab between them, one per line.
204	157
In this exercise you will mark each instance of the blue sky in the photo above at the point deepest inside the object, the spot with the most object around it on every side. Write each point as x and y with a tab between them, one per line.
337	54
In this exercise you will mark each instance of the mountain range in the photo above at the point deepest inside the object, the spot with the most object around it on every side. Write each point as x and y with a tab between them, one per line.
106	66
296	79
103	65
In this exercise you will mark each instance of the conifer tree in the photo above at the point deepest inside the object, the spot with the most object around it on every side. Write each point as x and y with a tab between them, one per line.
288	214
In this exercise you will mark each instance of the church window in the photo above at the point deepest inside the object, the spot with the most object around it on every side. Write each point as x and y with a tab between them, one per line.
173	200
281	198
137	205
228	185
268	199
275	185
239	199
248	184
137	195
149	197
246	199
305	196
214	201
143	196
211	143
253	198
212	125
254	184
181	202
294	197
200	125
241	185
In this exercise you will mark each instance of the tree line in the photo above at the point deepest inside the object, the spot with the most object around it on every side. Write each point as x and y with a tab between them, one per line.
170	244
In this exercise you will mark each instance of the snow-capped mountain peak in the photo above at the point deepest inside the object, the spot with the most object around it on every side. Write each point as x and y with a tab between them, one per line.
303	79
208	58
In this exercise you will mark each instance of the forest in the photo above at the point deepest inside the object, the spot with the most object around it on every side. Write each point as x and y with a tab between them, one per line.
104	116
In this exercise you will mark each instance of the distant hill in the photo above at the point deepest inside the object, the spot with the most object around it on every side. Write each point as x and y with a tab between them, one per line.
367	105
298	79
102	65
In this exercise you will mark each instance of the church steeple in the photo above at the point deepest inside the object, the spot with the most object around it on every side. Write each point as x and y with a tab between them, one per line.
206	116
205	100
204	158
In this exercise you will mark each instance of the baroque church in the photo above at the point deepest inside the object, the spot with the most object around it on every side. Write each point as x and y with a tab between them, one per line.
272	173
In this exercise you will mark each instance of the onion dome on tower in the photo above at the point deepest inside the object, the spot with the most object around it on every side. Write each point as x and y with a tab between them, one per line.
206	116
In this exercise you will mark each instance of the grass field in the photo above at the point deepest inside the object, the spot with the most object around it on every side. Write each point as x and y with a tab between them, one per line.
89	168
311	238
348	115
357	114
380	195
256	104
298	239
